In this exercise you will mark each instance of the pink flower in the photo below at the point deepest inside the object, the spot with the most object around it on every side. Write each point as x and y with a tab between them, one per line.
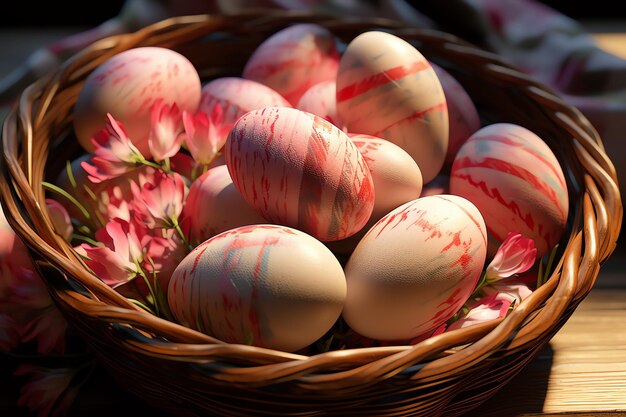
48	391
165	139
205	135
486	309
515	292
118	260
48	328
9	333
114	153
160	202
515	255
61	219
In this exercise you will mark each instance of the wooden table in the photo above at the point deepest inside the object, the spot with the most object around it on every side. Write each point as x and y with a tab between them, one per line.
582	371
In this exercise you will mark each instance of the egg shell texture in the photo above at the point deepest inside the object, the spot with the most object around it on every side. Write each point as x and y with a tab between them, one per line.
320	100
299	170
127	85
238	96
386	88
415	268
273	286
397	178
294	59
463	117
214	205
516	182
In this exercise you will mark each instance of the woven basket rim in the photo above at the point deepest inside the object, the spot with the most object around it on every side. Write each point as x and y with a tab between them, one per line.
43	111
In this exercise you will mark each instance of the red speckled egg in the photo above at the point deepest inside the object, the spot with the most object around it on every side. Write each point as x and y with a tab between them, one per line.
127	85
238	96
386	88
415	268
299	170
516	182
266	285
320	100
294	59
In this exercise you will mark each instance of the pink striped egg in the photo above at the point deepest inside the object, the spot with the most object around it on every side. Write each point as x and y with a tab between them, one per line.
516	182
238	96
214	205
294	59
462	114
127	85
299	170
266	285
320	100
415	268
386	88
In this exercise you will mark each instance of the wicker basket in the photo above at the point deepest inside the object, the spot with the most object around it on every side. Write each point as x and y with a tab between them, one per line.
188	373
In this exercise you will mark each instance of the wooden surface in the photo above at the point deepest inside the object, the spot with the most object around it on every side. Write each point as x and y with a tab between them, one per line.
581	372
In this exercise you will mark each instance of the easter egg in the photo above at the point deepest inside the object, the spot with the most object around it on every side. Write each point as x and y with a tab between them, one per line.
516	182
386	88
320	100
267	285
294	59
299	170
463	117
238	96
127	85
397	180
214	205
415	268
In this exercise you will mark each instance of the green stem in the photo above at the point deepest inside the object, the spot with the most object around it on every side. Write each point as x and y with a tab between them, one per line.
60	191
150	289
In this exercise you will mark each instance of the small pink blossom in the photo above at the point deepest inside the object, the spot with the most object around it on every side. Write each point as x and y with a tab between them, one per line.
515	292
165	139
205	134
486	309
515	255
60	218
48	391
118	260
48	328
114	153
159	203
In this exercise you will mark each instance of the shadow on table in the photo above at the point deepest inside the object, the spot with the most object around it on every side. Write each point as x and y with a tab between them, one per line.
525	394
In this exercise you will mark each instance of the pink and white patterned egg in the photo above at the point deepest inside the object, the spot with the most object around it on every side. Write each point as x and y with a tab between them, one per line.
127	85
237	96
320	100
463	116
214	205
294	59
415	268
516	182
299	170
267	285
386	88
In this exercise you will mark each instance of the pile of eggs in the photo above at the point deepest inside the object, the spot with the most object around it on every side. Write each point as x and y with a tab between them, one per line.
371	153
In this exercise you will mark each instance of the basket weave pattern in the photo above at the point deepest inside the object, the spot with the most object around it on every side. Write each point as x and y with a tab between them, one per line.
186	372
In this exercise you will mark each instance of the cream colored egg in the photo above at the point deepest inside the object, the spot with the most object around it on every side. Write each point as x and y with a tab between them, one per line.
415	268
214	205
267	285
386	88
